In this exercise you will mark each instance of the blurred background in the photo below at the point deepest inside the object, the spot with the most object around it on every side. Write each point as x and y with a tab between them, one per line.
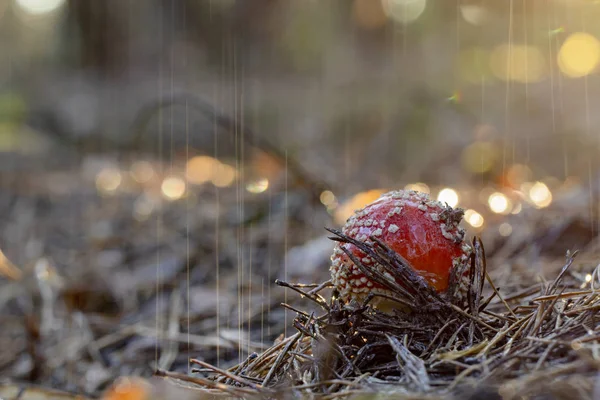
163	162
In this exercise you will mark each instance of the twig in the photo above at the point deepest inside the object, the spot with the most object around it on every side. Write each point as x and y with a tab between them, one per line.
280	358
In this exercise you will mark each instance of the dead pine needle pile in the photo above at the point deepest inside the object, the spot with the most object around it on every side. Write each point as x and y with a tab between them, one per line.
479	344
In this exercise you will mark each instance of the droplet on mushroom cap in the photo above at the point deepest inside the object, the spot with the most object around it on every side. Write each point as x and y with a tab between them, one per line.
423	231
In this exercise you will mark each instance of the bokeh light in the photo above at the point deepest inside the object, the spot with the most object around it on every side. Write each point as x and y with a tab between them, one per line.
358	201
499	203
474	14
327	198
485	193
449	196
258	186
505	229
142	171
474	219
517	208
108	180
525	187
579	55
223	175
517	174
143	207
418	187
479	157
403	11
173	187
518	63
200	169
39	7
540	195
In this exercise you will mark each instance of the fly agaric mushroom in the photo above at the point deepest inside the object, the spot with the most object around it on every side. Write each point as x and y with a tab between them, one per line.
423	231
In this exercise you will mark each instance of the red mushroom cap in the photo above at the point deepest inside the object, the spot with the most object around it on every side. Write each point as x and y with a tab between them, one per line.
423	231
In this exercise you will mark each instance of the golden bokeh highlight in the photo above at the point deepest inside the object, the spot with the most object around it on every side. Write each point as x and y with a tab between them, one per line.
540	195
108	180
518	63
499	203
223	175
449	196
579	55
474	219
418	187
258	186
403	11
479	157
327	198
200	169
358	201
203	169
173	188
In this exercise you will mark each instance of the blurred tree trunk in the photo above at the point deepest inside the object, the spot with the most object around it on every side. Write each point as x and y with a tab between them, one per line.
103	30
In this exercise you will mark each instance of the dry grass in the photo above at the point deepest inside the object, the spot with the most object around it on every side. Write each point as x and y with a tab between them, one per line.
542	339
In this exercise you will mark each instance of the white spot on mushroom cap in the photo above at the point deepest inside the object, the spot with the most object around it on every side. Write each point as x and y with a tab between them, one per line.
466	248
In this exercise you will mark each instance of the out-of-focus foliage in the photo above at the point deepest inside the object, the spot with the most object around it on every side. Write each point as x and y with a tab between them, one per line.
410	80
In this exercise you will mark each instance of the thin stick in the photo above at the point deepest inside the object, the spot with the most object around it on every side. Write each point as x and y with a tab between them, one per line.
226	373
280	358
